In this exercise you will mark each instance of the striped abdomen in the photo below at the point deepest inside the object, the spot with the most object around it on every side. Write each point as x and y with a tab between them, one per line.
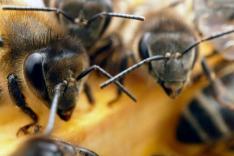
205	120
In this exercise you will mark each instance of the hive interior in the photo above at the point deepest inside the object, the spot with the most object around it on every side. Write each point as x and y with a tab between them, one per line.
127	128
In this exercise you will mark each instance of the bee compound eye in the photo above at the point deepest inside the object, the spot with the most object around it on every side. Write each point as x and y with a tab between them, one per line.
33	71
1	42
143	50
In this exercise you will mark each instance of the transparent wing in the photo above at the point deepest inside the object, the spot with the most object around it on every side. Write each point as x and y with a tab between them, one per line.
215	16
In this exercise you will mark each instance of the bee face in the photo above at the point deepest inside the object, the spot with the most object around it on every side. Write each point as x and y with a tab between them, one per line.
173	73
47	67
85	9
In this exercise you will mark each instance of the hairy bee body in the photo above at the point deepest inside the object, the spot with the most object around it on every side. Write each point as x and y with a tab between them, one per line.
169	29
17	29
23	32
35	54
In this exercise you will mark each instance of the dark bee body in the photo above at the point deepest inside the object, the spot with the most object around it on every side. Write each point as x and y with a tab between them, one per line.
88	34
205	120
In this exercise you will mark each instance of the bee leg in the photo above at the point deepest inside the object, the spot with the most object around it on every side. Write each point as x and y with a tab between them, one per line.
212	54
222	95
19	99
123	65
118	94
104	50
89	94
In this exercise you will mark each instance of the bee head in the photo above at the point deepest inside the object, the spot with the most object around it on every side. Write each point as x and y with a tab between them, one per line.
172	73
83	11
45	68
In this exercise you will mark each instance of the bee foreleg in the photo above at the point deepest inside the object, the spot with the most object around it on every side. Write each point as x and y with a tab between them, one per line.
122	66
19	99
89	94
223	96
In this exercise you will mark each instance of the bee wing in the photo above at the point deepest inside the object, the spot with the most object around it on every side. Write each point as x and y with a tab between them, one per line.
225	44
213	17
227	49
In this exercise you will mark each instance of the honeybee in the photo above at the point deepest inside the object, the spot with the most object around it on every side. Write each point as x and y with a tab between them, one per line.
37	53
205	120
168	45
43	145
90	33
93	19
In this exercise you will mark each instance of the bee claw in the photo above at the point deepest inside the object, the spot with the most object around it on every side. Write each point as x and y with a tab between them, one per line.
32	128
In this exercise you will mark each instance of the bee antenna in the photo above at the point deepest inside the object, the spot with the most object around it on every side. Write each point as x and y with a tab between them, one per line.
78	20
130	69
207	39
58	91
106	74
114	14
44	9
